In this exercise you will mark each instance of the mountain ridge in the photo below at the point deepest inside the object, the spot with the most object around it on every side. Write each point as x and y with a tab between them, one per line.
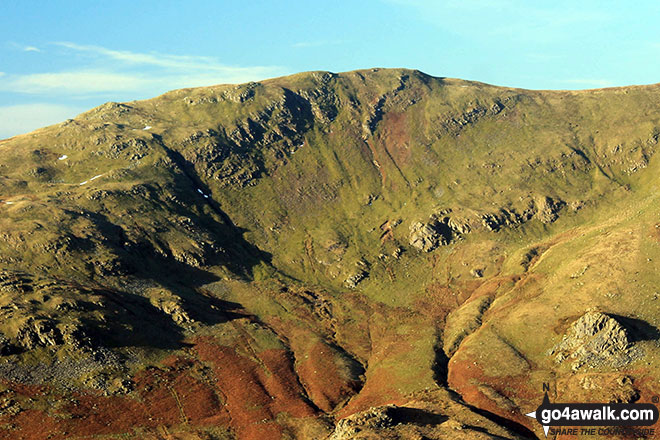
337	243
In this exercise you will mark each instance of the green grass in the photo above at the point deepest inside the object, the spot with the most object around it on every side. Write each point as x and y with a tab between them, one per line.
301	172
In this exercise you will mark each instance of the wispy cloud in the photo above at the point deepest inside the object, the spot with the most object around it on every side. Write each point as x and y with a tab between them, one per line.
109	71
167	61
22	47
90	82
82	82
16	119
100	74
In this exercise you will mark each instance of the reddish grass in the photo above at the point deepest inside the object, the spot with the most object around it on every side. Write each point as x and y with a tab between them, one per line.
465	376
255	392
395	137
165	397
379	389
322	380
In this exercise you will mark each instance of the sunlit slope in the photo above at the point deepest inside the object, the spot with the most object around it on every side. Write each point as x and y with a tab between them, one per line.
365	236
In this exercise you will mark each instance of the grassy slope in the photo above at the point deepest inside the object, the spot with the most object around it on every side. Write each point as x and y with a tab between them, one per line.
301	174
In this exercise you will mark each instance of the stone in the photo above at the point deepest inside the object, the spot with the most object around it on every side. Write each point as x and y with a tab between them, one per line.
424	237
547	209
594	340
374	418
352	281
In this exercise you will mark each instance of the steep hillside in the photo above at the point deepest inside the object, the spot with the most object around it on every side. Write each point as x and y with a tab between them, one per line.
372	254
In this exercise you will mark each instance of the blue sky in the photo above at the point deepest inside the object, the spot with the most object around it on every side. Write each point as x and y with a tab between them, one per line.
59	58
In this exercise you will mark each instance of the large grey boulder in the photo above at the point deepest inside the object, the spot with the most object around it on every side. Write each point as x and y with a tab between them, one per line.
424	236
594	340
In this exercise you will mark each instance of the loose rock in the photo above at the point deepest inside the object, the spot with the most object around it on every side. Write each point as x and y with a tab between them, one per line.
594	340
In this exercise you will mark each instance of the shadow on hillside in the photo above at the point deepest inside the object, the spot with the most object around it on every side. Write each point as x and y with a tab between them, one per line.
440	366
242	255
440	372
415	415
175	232
511	425
125	319
638	330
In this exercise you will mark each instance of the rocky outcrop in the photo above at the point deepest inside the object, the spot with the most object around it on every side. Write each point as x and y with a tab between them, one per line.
506	218
425	237
544	209
439	230
594	340
352	281
45	332
473	115
171	305
603	387
374	419
547	209
442	419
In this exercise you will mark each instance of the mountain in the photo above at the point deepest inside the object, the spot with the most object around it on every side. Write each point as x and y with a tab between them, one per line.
372	254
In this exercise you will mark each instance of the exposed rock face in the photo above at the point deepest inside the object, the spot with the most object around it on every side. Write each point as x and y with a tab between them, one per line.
594	340
458	226
426	237
607	387
36	333
440	230
416	420
372	419
172	306
544	209
352	281
548	209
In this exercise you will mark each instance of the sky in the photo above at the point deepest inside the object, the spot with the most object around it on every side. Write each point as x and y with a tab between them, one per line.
59	58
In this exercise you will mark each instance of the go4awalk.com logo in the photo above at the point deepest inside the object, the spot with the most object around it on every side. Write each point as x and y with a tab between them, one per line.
596	418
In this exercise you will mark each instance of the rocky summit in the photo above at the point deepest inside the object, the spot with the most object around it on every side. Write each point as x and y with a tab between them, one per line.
372	254
592	340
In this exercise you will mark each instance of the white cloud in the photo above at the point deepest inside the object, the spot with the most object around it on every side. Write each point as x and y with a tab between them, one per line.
17	119
81	82
167	61
23	47
153	59
94	82
111	72
112	76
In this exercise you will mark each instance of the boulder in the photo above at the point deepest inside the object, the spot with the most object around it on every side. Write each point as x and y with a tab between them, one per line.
594	340
424	237
352	281
547	209
374	419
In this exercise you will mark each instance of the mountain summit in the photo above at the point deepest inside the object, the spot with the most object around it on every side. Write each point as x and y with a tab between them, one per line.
377	254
